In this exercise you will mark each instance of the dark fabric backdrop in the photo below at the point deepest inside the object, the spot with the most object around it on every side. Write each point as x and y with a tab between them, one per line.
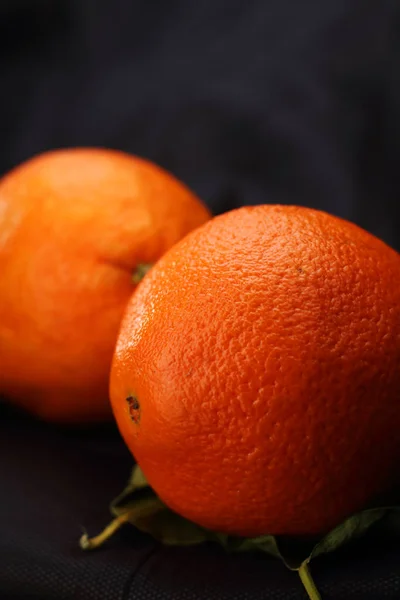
248	102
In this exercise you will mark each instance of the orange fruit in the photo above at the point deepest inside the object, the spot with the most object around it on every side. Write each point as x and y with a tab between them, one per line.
74	226
256	378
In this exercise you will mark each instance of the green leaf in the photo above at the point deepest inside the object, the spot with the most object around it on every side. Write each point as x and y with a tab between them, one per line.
149	514
389	526
136	488
352	528
139	505
264	543
143	509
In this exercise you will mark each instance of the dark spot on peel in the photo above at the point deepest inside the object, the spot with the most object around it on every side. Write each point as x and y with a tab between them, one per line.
134	408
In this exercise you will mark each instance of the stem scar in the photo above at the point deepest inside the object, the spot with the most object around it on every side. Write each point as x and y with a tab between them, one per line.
133	408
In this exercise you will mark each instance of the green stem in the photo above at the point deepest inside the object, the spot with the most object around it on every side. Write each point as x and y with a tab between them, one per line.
140	272
131	515
308	582
87	543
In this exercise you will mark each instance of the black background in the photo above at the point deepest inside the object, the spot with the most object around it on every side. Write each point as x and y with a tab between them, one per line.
261	101
248	102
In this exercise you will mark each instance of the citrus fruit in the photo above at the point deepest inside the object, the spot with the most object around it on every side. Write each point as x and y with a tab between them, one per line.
75	225
256	378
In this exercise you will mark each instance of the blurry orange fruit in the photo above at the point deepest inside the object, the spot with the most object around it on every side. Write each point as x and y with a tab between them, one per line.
75	225
256	378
